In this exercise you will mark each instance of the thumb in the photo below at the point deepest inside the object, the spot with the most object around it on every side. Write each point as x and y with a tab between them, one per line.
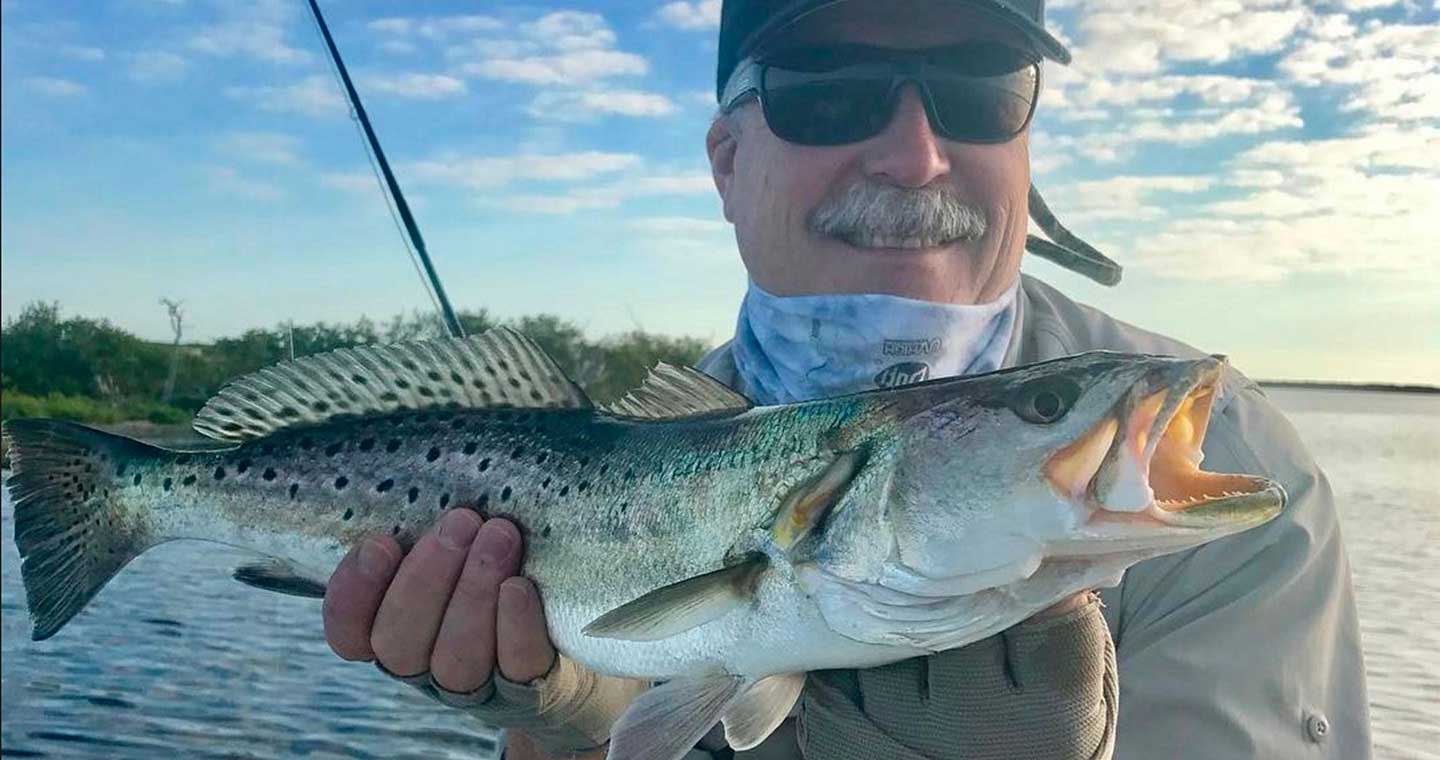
522	645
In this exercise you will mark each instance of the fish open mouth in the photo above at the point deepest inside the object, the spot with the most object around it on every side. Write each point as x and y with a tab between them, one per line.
1138	468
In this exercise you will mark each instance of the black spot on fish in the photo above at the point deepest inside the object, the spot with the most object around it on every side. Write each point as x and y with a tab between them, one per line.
269	473
584	461
120	471
243	466
503	365
189	480
389	397
359	378
514	383
604	468
402	383
341	482
545	532
432	454
334	448
294	489
289	412
505	494
393	445
167	483
629	474
545	483
385	485
424	390
484	500
535	395
219	473
444	500
349	513
367	444
395	531
136	479
485	464
564	490
413	494
470	448
320	406
584	484
518	452
541	459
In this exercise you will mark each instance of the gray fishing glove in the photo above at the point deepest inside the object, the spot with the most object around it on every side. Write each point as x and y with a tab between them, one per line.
569	709
1043	689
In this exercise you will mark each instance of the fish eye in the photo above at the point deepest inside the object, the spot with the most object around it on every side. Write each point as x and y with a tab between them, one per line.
1045	402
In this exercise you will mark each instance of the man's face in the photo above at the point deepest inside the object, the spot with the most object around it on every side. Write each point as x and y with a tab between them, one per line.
770	188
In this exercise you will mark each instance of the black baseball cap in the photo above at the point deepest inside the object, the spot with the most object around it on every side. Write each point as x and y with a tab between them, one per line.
746	24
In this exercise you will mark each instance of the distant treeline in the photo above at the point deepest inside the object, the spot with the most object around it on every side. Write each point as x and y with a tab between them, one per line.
92	371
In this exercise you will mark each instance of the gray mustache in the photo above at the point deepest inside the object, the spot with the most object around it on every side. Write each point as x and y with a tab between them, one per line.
933	214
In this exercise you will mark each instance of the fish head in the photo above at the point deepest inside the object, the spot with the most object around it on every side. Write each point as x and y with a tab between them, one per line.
1095	456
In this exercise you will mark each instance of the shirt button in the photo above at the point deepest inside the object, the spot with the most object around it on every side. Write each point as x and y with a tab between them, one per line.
1317	727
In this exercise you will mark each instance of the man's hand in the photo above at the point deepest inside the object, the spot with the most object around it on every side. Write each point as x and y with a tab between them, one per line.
452	606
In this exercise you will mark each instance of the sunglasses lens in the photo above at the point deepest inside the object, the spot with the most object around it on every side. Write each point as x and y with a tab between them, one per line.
815	110
984	110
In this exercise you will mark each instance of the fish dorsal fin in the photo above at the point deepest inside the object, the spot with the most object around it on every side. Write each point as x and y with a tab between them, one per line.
498	369
671	392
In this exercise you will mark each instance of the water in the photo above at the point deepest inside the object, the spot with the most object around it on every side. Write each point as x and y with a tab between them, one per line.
176	658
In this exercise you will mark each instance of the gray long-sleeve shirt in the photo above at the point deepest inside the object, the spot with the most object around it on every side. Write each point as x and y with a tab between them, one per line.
1247	647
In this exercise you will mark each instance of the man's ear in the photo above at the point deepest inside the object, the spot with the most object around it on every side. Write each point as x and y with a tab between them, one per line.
720	146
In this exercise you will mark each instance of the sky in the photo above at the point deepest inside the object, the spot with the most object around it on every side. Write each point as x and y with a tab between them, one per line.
1268	171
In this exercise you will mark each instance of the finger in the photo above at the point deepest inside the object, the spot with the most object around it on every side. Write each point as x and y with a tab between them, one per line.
522	644
353	594
465	647
410	615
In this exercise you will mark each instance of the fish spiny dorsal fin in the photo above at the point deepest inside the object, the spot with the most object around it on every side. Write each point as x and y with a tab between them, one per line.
499	369
671	392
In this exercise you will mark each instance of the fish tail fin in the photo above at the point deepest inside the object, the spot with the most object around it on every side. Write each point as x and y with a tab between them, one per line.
73	527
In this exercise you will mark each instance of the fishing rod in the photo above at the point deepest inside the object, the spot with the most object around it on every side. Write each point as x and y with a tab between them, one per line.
452	324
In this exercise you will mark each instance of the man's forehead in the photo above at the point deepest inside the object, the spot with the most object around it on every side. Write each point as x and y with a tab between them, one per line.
896	24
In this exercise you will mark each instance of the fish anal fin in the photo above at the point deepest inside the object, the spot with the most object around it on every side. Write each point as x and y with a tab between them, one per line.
672	392
761	708
500	369
274	574
665	722
807	504
677	608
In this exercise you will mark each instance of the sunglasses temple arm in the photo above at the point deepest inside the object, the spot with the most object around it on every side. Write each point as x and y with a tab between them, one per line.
1068	250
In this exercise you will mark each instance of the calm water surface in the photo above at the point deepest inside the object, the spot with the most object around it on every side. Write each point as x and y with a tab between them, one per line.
174	657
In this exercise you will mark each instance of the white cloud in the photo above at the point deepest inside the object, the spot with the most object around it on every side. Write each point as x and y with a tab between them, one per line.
570	30
82	53
415	86
498	171
315	96
1125	197
437	27
1140	36
585	105
229	181
156	67
55	86
262	147
255	30
575	68
1390	71
609	195
702	14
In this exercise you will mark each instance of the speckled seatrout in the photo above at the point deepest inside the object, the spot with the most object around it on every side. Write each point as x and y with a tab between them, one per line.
680	534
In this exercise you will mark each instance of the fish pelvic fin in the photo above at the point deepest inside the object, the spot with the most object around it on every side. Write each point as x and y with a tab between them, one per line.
281	576
665	722
73	527
762	708
678	607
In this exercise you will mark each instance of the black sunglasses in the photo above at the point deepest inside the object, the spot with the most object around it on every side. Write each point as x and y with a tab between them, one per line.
974	93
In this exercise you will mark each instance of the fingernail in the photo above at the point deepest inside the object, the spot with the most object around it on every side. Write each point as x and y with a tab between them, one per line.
513	597
375	559
458	528
496	543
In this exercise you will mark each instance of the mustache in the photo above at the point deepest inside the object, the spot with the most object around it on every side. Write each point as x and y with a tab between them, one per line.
869	213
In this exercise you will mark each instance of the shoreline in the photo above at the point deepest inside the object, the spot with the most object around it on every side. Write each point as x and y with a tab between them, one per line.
1319	385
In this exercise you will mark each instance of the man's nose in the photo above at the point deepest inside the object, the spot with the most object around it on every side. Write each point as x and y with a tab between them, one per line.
907	153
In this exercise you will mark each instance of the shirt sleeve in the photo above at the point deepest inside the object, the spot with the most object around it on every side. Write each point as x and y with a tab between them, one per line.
1247	647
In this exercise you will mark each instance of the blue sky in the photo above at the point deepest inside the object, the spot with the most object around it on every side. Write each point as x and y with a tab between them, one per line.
1267	170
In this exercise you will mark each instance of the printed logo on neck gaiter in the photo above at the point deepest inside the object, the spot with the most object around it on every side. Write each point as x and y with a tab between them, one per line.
903	373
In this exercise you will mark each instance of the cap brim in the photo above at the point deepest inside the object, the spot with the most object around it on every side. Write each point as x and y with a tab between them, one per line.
1044	43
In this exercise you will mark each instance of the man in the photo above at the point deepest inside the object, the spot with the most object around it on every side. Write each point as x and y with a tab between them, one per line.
873	158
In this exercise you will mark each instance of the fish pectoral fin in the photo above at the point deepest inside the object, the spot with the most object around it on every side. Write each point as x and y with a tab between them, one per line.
761	708
665	722
275	574
677	608
806	505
